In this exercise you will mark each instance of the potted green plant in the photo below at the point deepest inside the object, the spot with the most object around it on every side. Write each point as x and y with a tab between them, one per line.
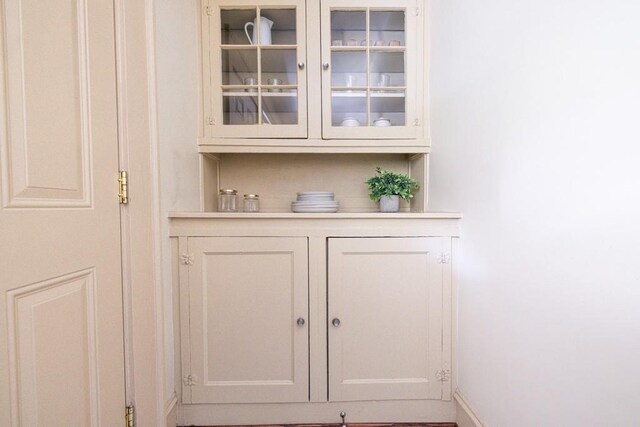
388	187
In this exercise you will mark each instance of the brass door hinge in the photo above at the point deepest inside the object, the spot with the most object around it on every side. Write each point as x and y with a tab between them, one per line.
123	187
129	416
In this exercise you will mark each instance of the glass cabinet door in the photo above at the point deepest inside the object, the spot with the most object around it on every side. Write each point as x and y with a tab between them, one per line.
369	69
256	69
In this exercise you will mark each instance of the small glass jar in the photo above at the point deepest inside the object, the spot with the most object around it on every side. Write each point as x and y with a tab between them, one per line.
251	203
227	201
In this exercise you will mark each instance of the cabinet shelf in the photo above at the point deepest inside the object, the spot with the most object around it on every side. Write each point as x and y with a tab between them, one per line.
265	93
360	93
371	48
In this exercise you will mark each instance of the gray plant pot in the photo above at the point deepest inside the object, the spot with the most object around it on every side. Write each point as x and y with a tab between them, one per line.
389	203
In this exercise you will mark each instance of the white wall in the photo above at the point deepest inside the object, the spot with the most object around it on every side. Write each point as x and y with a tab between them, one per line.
177	69
536	138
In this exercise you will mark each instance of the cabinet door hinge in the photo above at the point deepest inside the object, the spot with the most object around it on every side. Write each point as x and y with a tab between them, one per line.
186	259
189	380
417	11
211	121
129	416
209	10
416	122
123	187
444	258
443	375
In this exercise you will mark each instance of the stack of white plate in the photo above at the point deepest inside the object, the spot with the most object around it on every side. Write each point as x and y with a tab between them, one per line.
315	201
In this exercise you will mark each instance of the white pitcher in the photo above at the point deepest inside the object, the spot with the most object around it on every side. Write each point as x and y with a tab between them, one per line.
265	30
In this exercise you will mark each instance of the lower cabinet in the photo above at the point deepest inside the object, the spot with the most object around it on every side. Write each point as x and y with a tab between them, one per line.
246	328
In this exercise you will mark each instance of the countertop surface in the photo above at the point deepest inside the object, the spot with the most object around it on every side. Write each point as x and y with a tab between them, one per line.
337	215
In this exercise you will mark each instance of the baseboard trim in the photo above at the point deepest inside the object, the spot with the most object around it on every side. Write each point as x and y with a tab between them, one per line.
171	411
465	417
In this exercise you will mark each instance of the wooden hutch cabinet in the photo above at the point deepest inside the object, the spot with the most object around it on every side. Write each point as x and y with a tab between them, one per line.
288	317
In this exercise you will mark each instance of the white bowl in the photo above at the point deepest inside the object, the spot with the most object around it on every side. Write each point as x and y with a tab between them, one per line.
382	122
350	122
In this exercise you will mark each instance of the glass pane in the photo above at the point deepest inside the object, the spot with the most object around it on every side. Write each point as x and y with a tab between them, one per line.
387	69
280	107
233	25
240	108
387	28
239	66
349	69
388	108
279	67
348	28
278	26
349	108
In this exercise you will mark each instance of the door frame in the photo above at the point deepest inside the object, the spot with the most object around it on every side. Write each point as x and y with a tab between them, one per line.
140	219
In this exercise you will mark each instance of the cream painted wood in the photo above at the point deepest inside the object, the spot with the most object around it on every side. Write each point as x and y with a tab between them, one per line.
258	145
211	36
210	179
419	170
140	219
61	340
385	318
413	119
248	319
46	104
397	411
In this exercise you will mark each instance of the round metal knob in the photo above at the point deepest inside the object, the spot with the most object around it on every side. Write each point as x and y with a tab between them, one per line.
301	65
325	65
300	321
335	322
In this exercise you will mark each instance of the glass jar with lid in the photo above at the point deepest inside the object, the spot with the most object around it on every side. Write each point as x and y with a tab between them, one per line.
227	201
251	203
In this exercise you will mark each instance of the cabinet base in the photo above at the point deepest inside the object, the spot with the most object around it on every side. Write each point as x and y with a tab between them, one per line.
381	412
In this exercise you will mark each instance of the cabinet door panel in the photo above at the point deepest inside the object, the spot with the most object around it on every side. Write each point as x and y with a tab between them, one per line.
245	296
254	63
370	63
387	294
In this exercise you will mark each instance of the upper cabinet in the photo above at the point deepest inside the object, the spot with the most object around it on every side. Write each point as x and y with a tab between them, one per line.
369	69
334	73
258	82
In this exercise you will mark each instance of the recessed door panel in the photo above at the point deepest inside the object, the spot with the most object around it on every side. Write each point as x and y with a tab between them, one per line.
53	343
385	325
248	320
48	139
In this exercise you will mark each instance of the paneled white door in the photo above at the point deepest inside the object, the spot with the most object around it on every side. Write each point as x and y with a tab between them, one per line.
248	320
61	319
385	318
